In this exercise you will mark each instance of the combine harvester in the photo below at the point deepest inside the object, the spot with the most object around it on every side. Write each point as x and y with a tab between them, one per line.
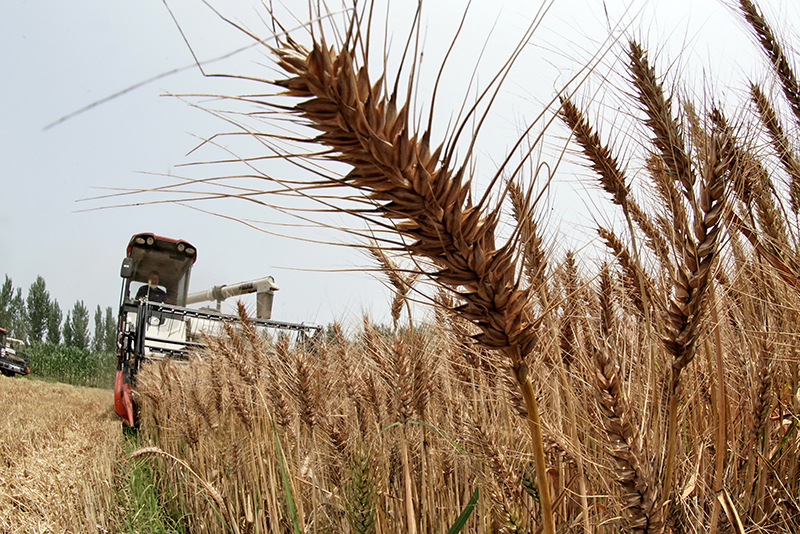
155	321
12	360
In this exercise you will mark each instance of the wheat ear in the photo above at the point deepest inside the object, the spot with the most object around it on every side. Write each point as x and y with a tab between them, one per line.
668	137
673	222
360	491
612	178
570	321
780	143
752	184
428	203
774	51
636	280
402	283
533	253
752	175
640	494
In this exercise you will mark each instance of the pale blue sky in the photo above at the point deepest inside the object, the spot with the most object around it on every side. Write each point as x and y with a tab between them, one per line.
57	57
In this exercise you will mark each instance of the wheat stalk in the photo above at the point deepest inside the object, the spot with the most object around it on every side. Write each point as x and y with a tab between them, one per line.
222	507
698	244
534	266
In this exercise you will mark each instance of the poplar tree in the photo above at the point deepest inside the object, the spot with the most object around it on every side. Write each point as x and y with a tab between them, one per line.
98	341
79	322
54	323
66	331
37	310
110	331
6	295
19	325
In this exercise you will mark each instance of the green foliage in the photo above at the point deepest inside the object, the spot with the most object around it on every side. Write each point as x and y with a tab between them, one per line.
98	340
110	331
465	513
38	310
72	365
19	325
78	320
66	333
6	294
12	310
145	500
54	323
286	487
105	331
38	318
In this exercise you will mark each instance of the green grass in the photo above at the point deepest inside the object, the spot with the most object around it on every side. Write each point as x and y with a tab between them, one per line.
147	504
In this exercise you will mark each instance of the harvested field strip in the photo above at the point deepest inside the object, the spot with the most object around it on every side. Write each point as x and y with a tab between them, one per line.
57	448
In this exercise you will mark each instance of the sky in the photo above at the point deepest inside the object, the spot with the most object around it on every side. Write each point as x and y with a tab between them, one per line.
60	57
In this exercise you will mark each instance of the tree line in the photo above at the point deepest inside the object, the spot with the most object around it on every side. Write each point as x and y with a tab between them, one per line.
38	318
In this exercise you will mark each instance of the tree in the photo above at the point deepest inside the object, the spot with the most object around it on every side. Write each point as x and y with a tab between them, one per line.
67	330
79	326
110	331
18	327
38	310
98	341
12	310
54	323
6	294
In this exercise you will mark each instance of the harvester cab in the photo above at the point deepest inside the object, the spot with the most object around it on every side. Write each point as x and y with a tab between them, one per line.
169	260
155	321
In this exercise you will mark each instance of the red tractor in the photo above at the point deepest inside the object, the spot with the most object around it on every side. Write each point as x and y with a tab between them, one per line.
155	321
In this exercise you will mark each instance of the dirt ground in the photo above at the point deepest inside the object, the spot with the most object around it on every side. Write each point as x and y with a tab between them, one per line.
58	444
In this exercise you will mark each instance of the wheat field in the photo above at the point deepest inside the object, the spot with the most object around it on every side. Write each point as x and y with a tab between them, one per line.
58	448
653	390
